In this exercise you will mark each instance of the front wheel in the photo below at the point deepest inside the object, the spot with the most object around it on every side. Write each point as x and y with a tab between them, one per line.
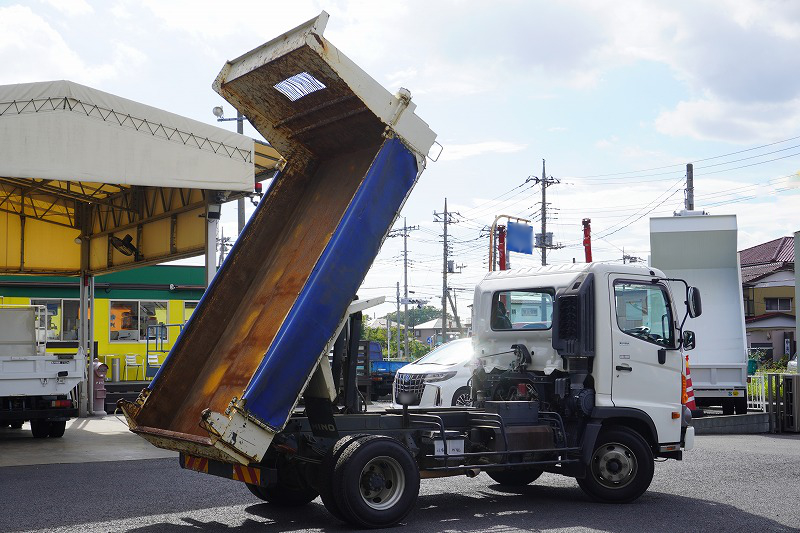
621	467
462	397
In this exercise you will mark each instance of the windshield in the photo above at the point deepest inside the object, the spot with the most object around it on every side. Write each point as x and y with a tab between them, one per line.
452	353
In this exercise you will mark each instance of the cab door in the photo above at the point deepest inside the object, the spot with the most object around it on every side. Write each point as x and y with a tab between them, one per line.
642	324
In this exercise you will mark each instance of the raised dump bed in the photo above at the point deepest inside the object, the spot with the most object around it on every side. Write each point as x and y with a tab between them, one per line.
354	152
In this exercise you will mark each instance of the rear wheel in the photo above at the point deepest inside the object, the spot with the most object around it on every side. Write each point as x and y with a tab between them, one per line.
56	429
291	488
727	406
621	467
40	428
283	495
740	405
326	490
376	482
515	478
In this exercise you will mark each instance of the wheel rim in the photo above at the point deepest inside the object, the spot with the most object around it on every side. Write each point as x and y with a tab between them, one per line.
382	483
614	465
464	399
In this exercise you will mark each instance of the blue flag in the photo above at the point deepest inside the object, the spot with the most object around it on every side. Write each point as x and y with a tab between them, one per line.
519	238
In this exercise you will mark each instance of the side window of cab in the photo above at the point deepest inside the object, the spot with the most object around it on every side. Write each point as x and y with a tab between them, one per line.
522	309
644	311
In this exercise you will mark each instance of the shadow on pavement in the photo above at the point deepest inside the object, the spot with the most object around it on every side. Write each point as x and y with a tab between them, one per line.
528	508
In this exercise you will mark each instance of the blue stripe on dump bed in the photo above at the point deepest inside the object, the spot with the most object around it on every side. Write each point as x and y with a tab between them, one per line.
321	305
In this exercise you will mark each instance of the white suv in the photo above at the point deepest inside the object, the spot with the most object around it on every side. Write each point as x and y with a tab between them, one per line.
438	379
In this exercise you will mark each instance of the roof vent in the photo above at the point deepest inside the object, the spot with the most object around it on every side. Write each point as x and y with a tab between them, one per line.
298	86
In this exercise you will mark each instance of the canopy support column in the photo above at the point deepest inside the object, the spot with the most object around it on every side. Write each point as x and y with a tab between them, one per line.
85	349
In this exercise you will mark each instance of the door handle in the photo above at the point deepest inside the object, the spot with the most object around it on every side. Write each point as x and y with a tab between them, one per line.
624	368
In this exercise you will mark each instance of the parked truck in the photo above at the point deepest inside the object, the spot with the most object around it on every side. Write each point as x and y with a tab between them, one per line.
702	249
381	371
595	396
35	386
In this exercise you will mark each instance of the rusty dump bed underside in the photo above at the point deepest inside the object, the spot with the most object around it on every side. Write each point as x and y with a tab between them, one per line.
226	341
262	326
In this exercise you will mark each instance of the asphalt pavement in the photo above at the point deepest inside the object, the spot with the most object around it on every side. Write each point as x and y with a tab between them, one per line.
729	483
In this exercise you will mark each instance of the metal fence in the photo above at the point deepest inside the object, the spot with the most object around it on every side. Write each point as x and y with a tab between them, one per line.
756	392
783	402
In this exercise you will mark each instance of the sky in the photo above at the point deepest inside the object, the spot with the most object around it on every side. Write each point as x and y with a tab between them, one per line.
617	97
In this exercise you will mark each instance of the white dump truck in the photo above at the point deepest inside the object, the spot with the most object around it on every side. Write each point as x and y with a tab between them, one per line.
35	386
581	372
702	249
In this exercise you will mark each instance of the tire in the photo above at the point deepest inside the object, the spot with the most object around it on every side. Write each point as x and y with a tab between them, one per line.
16	425
40	428
740	405
291	488
325	476
515	478
282	495
621	467
56	429
728	407
462	397
376	482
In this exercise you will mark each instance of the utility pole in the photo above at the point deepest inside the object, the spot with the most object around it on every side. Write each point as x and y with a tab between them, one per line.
455	310
398	320
405	285
444	276
689	204
240	201
445	218
544	215
395	233
545	183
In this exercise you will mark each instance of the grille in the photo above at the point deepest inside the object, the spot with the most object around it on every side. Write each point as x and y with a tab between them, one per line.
413	383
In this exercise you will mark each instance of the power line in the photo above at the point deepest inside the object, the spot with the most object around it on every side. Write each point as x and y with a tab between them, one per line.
681	164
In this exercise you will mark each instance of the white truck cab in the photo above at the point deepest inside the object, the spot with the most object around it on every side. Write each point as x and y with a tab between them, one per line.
610	333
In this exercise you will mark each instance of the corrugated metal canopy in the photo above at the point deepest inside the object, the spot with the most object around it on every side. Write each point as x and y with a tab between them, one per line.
66	131
83	167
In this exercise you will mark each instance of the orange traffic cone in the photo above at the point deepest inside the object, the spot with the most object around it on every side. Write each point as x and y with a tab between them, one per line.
689	400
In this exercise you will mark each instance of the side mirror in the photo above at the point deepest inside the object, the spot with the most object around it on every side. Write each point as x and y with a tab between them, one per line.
694	303
689	340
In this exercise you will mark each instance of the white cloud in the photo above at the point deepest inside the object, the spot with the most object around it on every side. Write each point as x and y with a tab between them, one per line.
607	143
716	119
49	56
454	152
70	7
206	19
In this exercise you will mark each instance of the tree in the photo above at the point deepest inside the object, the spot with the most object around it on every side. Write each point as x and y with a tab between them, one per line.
416	349
418	315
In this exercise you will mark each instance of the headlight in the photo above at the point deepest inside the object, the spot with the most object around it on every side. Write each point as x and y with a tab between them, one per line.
438	376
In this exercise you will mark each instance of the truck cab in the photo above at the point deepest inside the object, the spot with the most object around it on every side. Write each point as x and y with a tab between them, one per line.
35	385
611	334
